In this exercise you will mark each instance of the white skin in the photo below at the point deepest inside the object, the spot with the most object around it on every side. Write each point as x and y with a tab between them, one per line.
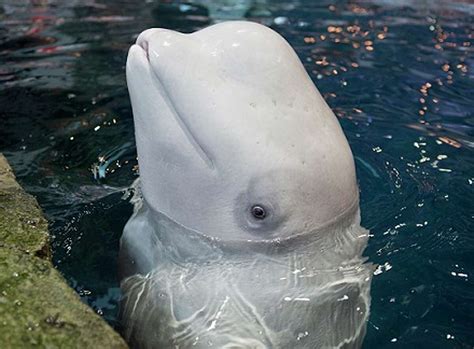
228	116
236	145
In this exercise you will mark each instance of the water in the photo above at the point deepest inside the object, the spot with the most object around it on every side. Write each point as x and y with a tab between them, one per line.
399	75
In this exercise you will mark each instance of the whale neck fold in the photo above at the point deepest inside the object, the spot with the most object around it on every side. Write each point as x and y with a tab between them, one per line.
337	244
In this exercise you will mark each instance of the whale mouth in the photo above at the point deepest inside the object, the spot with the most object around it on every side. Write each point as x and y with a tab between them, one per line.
144	39
144	45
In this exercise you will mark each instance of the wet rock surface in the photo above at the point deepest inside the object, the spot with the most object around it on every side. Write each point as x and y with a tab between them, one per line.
37	307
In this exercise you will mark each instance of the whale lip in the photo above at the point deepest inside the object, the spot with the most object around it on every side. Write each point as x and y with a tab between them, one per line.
144	46
143	40
137	57
143	43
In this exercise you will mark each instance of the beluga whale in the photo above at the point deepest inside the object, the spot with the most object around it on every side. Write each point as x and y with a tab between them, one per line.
246	227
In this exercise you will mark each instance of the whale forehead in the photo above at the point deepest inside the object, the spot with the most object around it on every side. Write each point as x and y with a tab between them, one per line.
225	54
216	109
228	46
244	78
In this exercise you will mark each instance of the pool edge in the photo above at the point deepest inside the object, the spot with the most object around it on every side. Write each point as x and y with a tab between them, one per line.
37	307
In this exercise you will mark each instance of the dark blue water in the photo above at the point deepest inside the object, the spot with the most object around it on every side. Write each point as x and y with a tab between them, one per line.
399	75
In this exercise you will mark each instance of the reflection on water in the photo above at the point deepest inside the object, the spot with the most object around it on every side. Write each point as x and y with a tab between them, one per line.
398	74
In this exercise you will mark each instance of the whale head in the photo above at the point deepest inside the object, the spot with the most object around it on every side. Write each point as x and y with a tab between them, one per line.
233	138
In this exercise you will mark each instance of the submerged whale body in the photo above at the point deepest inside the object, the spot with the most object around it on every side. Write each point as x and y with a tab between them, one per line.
246	229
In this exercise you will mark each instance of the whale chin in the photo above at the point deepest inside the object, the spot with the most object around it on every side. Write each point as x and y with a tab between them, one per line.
137	56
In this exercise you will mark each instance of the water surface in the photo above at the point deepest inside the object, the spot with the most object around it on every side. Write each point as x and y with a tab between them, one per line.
398	74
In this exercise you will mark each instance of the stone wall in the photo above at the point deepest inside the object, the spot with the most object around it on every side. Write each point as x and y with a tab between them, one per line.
37	307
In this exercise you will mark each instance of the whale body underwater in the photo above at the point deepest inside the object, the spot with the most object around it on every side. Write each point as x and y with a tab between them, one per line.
246	228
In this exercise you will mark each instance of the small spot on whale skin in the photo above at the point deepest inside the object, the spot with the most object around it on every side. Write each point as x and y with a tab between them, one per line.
253	105
274	102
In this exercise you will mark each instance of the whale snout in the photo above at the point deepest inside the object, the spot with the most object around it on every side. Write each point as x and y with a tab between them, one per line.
143	44
148	35
157	43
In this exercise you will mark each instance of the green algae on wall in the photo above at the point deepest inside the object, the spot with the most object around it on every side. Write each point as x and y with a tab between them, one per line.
37	307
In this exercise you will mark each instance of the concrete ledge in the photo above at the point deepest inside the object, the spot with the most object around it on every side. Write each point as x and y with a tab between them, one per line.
37	307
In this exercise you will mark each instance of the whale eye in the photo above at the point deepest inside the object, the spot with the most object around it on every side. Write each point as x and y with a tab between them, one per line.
258	212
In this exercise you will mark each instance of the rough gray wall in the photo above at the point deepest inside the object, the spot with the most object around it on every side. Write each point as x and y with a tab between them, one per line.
37	307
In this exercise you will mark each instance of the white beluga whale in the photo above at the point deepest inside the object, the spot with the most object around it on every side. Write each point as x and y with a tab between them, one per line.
246	232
